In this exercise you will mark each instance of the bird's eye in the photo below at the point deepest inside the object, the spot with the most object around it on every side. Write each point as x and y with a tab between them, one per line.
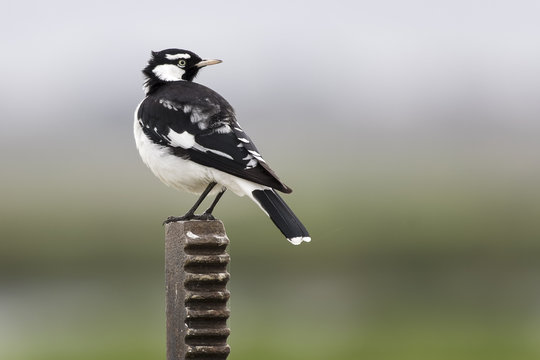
182	63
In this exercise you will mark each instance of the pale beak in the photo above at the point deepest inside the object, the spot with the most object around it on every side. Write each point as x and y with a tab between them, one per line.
207	62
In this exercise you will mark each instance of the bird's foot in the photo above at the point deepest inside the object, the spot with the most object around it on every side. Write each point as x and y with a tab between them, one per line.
171	219
205	216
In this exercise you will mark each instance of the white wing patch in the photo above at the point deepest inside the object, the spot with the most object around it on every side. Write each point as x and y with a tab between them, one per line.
202	115
217	152
198	117
168	104
186	140
225	129
251	163
256	155
253	159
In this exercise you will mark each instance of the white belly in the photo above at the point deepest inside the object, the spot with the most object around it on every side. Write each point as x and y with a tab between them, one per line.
184	174
171	170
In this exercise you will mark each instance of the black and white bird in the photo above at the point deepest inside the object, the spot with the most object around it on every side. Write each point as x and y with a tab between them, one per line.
188	135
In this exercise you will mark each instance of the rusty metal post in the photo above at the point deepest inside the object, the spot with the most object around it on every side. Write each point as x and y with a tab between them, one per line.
196	277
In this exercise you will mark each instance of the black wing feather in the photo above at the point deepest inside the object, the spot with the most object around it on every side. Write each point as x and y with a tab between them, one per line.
190	107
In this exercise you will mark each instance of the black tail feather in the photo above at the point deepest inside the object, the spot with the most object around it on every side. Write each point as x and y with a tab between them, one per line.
281	215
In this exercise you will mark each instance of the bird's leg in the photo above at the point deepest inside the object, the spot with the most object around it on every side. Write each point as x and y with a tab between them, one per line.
191	212
207	215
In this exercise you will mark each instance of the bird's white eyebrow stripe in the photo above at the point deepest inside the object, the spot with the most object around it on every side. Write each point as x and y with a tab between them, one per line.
177	56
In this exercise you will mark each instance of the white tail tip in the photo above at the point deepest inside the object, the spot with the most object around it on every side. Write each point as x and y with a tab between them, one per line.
299	239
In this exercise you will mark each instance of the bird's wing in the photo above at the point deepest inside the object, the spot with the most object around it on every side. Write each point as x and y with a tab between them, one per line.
207	133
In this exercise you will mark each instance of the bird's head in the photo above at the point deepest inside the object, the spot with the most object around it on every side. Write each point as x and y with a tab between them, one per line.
174	65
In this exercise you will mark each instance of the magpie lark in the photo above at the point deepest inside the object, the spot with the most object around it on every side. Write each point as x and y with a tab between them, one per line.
188	135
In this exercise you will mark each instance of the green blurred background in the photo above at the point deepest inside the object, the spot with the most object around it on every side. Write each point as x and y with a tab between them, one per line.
408	130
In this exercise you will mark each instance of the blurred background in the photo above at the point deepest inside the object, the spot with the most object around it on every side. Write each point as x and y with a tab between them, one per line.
409	131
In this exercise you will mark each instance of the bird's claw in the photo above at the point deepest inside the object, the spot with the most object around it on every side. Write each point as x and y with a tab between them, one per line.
204	216
171	219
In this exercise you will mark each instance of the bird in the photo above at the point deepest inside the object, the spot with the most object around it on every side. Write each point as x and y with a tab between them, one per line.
189	137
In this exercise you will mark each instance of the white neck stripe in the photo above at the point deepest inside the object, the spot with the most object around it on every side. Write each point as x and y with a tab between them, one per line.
168	72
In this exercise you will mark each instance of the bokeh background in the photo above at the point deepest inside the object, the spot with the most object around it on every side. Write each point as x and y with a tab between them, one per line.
408	129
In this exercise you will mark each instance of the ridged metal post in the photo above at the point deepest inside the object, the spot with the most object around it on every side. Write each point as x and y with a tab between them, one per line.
196	278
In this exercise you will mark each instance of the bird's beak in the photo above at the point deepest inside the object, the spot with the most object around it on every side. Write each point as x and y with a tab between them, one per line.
207	62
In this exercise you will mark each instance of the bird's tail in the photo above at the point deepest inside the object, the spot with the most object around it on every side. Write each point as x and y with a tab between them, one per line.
281	215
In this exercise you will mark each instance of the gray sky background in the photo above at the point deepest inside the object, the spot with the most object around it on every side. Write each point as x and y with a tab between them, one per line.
331	71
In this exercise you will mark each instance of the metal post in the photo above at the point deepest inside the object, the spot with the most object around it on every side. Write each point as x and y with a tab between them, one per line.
196	278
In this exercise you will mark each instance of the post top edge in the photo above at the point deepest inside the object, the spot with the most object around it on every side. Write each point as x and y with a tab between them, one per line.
196	228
